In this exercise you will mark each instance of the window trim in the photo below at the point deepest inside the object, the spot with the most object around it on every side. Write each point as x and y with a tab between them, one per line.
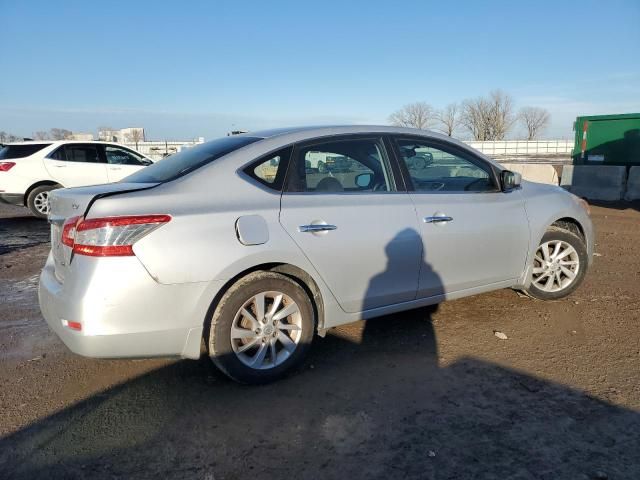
247	169
447	147
388	161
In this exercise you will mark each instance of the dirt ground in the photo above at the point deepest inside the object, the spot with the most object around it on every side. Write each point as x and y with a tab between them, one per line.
431	393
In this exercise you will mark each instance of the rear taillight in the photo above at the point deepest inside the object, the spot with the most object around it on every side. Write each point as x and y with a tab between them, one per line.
6	166
110	236
69	231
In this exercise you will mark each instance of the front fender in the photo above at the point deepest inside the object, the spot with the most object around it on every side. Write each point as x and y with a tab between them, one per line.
545	205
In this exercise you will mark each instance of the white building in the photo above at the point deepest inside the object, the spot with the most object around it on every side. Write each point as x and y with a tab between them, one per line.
129	134
83	137
159	150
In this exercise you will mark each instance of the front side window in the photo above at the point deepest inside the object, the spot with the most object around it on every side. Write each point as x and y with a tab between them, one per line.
120	156
357	165
82	153
434	169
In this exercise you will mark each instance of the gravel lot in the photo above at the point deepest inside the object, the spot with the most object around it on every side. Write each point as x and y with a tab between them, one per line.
431	393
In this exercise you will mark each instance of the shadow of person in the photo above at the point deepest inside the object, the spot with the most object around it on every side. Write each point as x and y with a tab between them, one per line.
414	325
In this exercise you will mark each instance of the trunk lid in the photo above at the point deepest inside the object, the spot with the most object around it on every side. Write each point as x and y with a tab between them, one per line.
66	203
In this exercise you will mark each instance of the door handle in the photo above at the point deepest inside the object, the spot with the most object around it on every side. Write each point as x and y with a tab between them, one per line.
318	227
60	166
116	168
440	219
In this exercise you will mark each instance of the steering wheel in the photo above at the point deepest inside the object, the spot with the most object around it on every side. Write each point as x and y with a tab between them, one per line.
432	185
477	180
380	187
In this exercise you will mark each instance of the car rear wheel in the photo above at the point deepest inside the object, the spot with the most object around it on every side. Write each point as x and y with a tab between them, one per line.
38	200
261	328
559	265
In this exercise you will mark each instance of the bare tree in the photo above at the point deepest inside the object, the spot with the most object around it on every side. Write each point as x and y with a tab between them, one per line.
60	134
535	120
417	115
488	118
135	136
449	118
8	137
41	135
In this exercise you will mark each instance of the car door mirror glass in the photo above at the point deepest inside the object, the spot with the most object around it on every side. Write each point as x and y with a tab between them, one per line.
510	180
363	180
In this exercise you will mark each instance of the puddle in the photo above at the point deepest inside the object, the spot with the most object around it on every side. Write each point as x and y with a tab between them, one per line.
22	232
23	332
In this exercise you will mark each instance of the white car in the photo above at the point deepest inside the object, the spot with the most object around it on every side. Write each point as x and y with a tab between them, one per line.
30	170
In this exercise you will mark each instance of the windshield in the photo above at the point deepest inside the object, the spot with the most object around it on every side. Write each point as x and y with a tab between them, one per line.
20	151
189	160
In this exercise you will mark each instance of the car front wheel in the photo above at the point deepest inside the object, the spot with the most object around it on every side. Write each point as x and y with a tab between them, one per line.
261	328
559	265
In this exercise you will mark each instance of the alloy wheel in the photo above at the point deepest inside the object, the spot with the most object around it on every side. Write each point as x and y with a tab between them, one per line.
41	203
555	266
266	330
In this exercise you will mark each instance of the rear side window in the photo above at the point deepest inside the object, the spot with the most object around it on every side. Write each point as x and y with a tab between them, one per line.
58	154
20	151
270	169
83	153
352	165
189	160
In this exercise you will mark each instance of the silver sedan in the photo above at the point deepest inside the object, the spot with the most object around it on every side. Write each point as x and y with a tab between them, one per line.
257	242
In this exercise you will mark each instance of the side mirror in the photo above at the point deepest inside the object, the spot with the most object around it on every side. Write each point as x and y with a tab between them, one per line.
146	163
363	180
510	180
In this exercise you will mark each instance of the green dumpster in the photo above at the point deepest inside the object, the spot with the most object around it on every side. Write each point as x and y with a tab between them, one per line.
607	140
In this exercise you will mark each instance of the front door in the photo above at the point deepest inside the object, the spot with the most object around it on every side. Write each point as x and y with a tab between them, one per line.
342	208
473	234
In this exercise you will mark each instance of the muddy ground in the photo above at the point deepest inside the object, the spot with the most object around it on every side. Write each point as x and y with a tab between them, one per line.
431	393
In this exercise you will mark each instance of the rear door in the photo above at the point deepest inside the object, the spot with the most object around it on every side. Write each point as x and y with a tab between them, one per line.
343	207
473	234
77	164
122	162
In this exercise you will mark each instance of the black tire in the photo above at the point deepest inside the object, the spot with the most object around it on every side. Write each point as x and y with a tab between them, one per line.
577	242
34	199
220	344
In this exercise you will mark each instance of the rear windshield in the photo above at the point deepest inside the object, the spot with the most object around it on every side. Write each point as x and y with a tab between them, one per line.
20	151
189	160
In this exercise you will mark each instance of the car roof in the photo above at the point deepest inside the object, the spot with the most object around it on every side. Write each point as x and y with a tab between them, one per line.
322	130
297	134
57	142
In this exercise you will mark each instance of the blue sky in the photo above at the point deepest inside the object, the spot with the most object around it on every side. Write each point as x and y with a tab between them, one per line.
187	69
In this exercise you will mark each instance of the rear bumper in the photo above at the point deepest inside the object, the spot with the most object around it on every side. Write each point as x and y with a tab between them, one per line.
12	198
124	313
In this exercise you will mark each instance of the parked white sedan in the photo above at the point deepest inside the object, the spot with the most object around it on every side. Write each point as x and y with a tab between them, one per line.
30	170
